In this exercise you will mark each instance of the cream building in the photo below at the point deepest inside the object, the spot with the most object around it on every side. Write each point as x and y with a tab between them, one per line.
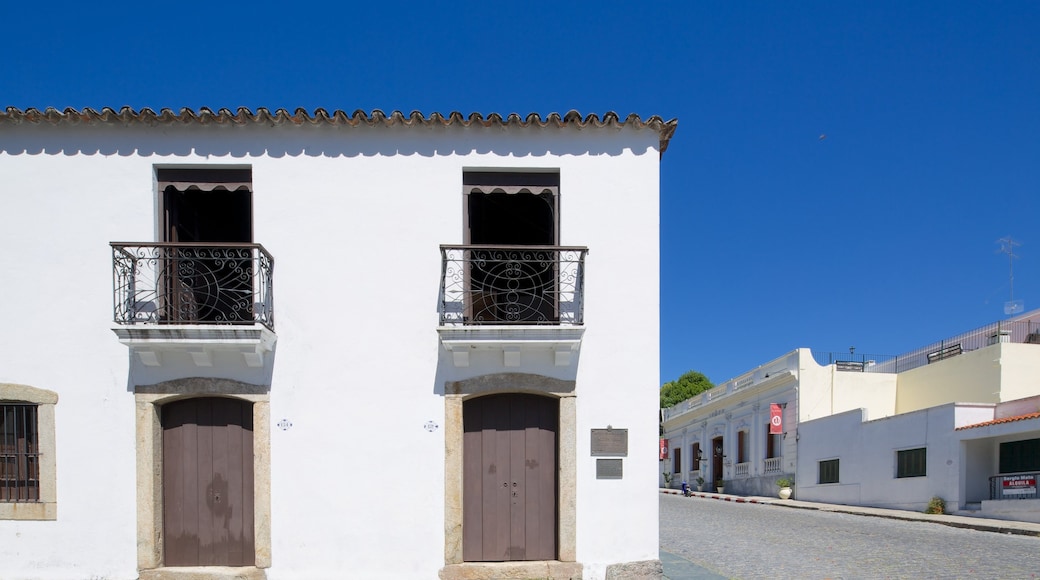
293	345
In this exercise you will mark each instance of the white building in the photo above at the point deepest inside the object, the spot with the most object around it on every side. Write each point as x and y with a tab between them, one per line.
287	345
958	419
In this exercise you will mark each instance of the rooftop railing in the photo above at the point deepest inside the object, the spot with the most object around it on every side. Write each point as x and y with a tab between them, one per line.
178	283
1025	329
502	285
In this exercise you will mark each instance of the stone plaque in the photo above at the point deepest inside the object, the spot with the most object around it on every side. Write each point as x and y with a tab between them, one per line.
610	442
608	468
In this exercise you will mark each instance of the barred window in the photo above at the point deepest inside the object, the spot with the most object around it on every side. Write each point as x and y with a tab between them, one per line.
912	462
19	453
828	471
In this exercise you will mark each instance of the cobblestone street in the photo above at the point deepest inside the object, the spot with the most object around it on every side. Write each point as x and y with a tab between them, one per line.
739	540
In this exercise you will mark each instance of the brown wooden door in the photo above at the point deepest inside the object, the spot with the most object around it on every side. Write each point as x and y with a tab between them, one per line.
208	482
509	478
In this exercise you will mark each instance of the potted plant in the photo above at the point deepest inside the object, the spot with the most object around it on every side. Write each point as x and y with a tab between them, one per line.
700	484
667	478
785	485
719	485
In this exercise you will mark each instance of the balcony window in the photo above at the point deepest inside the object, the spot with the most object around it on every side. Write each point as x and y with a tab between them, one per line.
511	268
192	283
206	268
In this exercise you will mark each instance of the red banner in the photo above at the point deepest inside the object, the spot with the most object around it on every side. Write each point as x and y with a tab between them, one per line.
776	419
664	449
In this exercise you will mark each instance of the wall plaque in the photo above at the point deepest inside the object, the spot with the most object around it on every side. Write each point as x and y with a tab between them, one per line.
610	441
608	468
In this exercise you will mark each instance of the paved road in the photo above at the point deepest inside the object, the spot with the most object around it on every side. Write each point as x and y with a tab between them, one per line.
736	540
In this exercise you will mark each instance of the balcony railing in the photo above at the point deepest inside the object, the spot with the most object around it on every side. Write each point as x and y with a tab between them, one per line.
541	285
1014	486
773	465
176	283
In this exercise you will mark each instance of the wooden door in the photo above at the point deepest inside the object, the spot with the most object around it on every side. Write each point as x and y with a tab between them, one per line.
208	483
509	478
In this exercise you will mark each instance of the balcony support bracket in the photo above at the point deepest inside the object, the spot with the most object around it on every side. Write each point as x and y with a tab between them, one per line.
160	345
513	346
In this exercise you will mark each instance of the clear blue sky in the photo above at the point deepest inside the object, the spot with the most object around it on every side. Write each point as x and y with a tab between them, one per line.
882	235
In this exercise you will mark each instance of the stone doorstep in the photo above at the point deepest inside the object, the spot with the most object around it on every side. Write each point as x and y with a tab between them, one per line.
546	569
204	573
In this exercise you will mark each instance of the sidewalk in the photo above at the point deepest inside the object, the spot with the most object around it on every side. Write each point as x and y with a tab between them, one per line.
679	568
969	522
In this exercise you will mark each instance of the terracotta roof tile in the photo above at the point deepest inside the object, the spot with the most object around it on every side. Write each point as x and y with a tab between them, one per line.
263	116
1000	421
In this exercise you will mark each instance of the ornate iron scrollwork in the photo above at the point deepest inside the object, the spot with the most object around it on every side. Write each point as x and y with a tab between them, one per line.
192	284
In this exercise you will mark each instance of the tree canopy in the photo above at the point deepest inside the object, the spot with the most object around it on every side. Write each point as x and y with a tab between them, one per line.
689	384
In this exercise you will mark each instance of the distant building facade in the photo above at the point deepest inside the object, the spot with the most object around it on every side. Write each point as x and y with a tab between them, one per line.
958	419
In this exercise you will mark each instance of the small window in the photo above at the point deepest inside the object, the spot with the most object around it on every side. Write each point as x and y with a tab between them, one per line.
27	480
695	456
912	462
676	463
742	447
19	453
828	471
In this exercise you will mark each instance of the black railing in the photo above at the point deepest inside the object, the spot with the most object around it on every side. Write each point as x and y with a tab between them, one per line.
541	285
1014	486
174	283
1025	329
851	362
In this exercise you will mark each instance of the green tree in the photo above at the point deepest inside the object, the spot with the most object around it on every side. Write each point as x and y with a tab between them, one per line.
689	384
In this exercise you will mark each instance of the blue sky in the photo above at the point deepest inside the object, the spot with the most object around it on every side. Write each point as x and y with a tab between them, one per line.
881	235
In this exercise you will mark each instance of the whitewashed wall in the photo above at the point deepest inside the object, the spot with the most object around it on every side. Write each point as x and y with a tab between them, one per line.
866	451
354	219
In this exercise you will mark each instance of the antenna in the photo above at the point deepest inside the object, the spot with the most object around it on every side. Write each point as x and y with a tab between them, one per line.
1007	246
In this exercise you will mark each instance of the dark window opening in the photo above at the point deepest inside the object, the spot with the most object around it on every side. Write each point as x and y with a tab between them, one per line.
742	447
912	462
511	283
19	453
773	443
1018	456
207	282
828	471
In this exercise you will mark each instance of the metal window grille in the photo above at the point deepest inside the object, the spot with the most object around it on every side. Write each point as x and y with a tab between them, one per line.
912	462
829	471
19	453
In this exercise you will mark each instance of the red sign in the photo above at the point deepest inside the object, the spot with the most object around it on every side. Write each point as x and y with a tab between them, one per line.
1019	485
776	419
664	449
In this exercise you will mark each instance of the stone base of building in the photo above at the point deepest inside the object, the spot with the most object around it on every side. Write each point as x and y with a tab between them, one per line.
544	569
204	573
644	570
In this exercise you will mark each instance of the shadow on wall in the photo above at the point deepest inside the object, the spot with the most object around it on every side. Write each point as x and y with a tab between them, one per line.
247	141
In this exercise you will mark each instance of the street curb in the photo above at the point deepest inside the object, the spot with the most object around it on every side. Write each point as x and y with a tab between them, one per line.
982	526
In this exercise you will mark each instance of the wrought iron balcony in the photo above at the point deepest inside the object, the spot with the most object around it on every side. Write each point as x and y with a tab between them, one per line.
177	283
501	285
